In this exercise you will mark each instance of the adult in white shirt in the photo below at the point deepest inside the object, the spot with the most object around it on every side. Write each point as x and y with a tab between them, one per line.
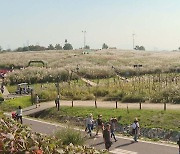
19	114
136	129
90	123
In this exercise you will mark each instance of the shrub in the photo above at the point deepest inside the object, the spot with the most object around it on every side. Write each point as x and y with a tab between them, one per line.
176	100
133	98
70	135
89	97
46	96
115	96
100	92
156	98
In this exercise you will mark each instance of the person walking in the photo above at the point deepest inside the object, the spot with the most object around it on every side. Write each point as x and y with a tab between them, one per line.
37	100
99	124
19	114
90	122
106	136
135	129
113	122
178	142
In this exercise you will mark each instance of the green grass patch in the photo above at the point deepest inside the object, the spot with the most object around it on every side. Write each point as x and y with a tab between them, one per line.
12	104
148	118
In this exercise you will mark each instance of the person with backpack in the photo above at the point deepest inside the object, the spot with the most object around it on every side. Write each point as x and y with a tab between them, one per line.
135	129
99	124
90	124
113	122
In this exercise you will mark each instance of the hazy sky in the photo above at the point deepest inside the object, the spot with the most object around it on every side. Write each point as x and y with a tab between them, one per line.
156	23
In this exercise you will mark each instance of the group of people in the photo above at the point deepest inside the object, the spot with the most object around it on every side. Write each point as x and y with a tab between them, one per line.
108	128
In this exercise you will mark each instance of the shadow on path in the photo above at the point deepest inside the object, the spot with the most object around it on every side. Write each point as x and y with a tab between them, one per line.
29	109
126	144
97	144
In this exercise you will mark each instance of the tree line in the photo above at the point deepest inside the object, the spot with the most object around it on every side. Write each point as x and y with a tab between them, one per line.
67	46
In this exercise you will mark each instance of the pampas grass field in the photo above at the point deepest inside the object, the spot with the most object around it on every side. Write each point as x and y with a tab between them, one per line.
156	81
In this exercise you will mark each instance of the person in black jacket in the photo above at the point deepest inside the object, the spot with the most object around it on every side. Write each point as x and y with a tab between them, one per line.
107	138
99	124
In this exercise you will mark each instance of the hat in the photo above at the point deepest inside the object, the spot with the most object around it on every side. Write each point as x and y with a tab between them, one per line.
136	119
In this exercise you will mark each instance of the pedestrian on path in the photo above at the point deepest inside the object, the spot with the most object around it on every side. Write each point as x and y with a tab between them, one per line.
113	122
19	114
106	136
37	100
99	124
178	142
135	129
90	124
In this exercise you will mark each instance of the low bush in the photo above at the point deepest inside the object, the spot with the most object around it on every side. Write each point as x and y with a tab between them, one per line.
100	92
70	135
133	98
115	96
176	100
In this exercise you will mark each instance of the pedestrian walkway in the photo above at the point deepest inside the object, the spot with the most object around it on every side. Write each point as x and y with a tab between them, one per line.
121	151
124	145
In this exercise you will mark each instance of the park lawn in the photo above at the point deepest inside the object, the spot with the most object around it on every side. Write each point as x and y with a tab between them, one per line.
148	118
12	104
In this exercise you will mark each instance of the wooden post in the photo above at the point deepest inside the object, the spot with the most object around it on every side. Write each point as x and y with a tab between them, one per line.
116	104
164	106
140	105
95	103
72	103
127	109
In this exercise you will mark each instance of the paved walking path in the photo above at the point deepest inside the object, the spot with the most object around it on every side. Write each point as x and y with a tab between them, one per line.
124	145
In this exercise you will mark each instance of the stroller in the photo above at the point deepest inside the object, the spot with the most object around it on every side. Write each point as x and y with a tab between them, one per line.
14	116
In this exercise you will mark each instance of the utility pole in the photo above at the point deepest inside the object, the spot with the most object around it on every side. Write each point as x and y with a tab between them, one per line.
133	40
84	38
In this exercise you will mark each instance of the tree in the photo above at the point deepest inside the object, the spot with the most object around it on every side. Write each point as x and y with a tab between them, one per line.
104	46
179	48
139	47
50	47
0	48
87	47
58	47
66	41
68	46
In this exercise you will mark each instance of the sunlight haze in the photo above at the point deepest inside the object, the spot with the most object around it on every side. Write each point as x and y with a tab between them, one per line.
155	23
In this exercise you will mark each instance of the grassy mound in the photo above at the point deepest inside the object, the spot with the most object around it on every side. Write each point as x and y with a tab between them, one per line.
148	118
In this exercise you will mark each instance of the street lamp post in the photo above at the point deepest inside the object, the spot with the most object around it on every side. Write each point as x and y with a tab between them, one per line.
84	38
